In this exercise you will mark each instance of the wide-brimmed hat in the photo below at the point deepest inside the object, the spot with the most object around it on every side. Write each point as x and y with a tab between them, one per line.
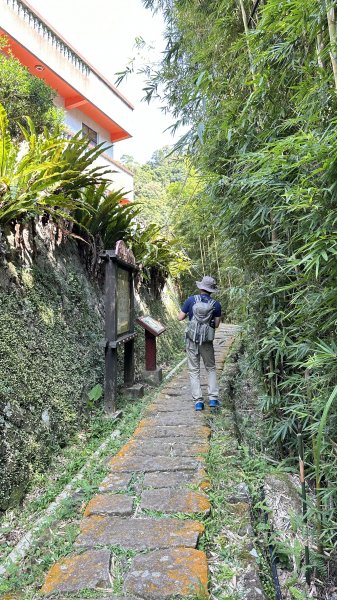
207	283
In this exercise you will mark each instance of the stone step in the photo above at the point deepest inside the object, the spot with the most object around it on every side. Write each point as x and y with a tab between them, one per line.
147	464
172	418
90	570
175	501
168	479
175	573
138	533
160	461
110	504
198	432
174	447
116	482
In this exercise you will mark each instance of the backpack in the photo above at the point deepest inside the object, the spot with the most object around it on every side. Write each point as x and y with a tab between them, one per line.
199	329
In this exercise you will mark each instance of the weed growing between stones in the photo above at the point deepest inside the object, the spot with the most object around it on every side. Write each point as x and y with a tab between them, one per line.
229	539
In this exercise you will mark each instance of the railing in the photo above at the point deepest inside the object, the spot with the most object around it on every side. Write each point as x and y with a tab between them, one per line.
30	17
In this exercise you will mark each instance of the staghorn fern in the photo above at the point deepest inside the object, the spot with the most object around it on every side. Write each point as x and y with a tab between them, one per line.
45	174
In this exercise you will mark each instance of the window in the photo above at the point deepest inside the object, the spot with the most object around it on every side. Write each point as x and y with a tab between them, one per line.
91	134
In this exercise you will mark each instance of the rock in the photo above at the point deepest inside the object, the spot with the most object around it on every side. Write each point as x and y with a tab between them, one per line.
174	501
89	570
109	504
250	585
164	574
105	598
241	494
153	377
283	499
138	534
136	390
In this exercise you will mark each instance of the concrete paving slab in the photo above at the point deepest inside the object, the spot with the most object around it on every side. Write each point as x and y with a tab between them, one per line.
109	504
138	533
175	501
165	574
89	570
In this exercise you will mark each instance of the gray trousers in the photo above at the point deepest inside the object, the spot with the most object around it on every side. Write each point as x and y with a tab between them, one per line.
206	352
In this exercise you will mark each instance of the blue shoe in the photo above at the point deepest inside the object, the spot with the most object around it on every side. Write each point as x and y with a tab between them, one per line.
199	405
214	403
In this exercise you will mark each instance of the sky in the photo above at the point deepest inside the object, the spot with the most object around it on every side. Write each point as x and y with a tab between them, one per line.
104	32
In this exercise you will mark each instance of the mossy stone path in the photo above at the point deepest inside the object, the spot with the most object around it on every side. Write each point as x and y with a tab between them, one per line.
158	473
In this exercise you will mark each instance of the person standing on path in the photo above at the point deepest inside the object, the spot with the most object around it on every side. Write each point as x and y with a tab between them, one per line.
204	317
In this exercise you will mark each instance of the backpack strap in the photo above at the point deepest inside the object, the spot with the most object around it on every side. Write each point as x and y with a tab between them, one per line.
210	301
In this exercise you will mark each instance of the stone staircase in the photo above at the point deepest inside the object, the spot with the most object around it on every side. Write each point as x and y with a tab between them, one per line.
159	474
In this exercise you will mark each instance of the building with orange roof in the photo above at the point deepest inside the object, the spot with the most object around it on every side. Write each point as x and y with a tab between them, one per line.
91	103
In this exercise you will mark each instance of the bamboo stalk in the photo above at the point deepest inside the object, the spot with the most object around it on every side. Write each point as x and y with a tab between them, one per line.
205	257
202	258
333	40
319	49
246	28
217	258
304	507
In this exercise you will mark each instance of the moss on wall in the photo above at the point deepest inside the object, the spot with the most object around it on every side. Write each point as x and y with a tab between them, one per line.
51	322
50	325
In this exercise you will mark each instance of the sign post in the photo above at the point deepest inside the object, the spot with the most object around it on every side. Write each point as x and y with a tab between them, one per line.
120	266
153	329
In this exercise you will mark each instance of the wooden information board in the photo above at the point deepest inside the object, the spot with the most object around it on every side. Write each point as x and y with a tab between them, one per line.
153	329
120	266
151	325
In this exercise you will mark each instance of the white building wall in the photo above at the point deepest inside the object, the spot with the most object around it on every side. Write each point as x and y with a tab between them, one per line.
86	84
121	179
74	119
89	85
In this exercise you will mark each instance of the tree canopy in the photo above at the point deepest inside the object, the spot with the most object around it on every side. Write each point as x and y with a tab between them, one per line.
22	94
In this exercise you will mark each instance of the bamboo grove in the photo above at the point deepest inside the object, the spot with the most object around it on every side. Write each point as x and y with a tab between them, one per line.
259	96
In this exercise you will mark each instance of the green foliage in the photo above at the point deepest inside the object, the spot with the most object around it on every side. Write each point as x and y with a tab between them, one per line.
94	395
156	253
107	218
50	357
261	106
55	537
46	175
23	94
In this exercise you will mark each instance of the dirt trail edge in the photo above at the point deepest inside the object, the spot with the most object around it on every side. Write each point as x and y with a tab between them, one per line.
160	472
